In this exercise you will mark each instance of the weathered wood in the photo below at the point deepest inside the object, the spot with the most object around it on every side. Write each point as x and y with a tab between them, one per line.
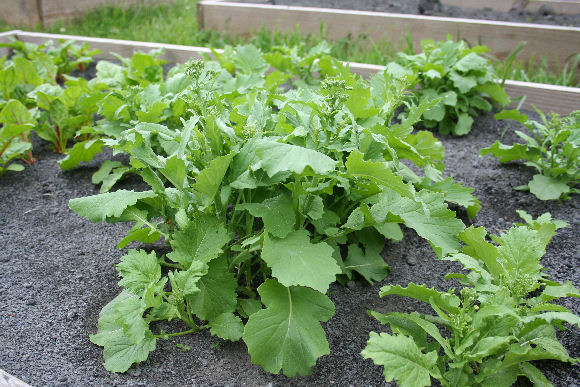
558	99
53	10
173	53
558	6
21	12
557	43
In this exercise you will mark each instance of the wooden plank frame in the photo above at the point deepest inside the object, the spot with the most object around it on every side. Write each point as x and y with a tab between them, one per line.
557	43
558	99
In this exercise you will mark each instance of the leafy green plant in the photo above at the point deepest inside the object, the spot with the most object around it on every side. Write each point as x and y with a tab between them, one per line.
16	124
265	197
462	80
501	320
553	149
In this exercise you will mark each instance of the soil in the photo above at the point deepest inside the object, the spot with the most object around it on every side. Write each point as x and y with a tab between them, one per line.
57	272
545	15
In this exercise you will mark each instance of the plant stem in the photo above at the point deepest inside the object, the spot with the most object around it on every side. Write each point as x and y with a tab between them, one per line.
192	330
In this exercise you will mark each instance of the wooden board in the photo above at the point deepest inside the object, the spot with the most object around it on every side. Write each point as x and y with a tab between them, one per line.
20	12
173	53
7	380
558	6
558	99
557	43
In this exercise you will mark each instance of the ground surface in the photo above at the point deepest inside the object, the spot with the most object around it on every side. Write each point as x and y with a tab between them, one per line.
433	8
57	272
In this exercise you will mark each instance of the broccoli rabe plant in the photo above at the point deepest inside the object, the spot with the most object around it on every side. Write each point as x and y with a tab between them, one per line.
493	328
265	197
461	79
553	149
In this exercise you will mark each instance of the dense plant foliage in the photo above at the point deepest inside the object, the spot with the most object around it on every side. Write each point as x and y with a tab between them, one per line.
553	149
464	82
264	193
500	321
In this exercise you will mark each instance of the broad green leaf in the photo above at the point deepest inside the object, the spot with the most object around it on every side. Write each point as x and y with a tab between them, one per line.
566	290
470	62
129	315
507	153
277	213
547	188
109	174
520	252
174	171
186	281
15	119
296	261
138	271
535	375
83	151
378	172
208	181
489	346
201	240
463	126
287	334
227	326
446	301
463	83
145	235
275	157
438	224
249	60
457	193
359	102
515	115
403	361
120	352
98	208
476	246
370	265
551	317
217	292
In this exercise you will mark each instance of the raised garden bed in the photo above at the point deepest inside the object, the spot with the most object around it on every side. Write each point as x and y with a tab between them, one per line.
58	272
557	43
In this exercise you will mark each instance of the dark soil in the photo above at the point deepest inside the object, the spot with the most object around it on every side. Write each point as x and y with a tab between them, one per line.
545	15
57	272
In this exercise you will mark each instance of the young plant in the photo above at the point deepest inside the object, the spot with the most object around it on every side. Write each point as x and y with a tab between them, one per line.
16	124
264	197
462	80
493	328
553	149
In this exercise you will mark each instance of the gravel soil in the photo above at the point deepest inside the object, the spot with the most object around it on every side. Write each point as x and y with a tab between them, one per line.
545	15
57	272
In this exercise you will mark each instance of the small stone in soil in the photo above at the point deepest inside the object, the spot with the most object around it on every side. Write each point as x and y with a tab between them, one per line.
31	302
351	285
411	260
71	315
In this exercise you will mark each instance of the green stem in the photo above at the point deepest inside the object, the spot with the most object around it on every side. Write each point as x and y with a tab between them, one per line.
296	201
192	330
167	264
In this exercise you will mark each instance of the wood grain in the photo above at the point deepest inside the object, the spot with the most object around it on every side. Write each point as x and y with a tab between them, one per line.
20	12
557	43
558	6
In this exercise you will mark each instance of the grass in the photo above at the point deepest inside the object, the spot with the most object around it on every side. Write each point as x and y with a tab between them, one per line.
177	23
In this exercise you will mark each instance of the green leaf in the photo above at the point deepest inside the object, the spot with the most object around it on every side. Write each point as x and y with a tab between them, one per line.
463	126
370	265
463	83
208	181
520	252
83	151
217	292
295	261
378	172
275	157
359	102
277	213
507	153
457	193
227	326
472	61
186	281
120	352
287	334
138	271
429	217
402	359
535	375
109	174
201	240
249	60
15	119
98	208
476	246
547	188
446	301
174	171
